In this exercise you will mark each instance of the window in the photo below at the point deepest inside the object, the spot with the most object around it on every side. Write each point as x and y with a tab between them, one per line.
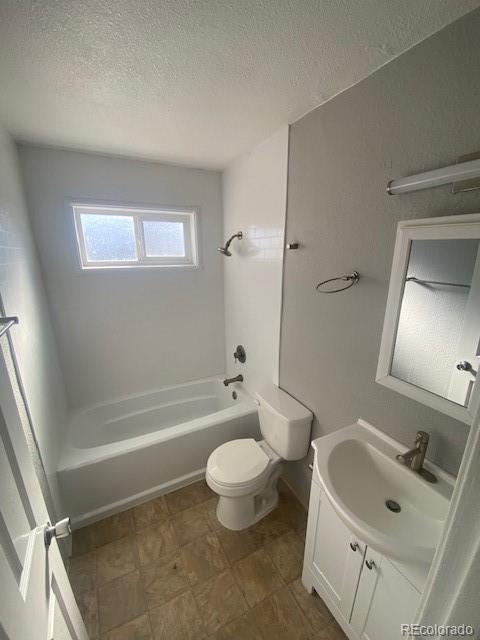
112	237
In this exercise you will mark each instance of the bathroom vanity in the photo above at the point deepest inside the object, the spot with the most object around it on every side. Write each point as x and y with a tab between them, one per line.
373	527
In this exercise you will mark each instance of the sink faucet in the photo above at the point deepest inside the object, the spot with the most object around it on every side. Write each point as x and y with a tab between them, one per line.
228	381
415	457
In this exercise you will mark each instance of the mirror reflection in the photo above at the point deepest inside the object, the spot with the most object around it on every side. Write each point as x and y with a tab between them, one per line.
437	341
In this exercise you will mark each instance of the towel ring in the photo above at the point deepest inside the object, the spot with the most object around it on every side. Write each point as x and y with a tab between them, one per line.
351	278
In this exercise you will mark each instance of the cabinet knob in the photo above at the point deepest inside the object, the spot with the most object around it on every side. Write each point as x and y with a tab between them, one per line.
354	546
370	564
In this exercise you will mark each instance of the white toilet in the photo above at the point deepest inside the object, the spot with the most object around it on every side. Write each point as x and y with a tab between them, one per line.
244	472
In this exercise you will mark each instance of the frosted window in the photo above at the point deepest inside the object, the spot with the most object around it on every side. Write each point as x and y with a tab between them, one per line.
164	238
109	238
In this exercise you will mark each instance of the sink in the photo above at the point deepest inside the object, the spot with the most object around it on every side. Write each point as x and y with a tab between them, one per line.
389	506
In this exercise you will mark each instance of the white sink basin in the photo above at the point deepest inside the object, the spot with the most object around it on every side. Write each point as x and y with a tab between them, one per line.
358	470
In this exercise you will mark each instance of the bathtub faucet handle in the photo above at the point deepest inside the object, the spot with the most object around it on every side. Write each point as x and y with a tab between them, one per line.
239	354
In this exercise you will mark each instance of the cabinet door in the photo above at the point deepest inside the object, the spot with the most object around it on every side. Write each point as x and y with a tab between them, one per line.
385	600
337	557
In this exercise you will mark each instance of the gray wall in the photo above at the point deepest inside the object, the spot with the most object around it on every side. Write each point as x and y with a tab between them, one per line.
420	111
125	331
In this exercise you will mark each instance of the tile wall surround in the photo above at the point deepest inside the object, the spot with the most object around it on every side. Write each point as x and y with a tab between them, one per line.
254	202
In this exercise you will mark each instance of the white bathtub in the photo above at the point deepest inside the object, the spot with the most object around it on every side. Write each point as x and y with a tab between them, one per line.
121	453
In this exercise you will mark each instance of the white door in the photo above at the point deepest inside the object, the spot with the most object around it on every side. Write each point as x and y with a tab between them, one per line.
36	602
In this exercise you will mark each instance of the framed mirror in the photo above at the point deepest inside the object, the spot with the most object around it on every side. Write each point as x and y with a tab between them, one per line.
430	349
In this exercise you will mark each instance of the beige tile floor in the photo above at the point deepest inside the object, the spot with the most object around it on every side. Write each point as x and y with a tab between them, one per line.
167	570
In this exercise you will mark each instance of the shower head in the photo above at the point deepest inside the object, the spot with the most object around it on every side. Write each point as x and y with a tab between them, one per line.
224	250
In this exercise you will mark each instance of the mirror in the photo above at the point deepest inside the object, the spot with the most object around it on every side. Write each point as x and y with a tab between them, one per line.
430	347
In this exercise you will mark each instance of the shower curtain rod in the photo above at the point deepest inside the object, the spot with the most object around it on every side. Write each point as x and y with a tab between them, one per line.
6	323
446	284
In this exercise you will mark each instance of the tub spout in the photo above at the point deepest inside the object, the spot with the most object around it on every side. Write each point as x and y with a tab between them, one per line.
228	381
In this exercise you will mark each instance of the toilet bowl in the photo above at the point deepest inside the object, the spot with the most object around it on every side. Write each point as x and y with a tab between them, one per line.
244	472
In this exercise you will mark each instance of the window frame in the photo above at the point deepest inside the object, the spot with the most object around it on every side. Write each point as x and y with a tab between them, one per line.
188	216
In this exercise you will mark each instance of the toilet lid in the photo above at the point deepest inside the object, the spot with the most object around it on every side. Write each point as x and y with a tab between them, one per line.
237	462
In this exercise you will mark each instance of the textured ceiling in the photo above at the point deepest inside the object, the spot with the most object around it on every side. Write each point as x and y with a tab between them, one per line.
191	81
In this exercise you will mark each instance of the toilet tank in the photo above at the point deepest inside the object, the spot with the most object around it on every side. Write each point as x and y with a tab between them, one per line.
284	422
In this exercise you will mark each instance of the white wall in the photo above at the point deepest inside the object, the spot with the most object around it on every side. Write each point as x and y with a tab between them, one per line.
121	332
254	202
23	295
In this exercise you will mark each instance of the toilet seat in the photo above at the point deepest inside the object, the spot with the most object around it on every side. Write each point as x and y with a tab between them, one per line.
238	463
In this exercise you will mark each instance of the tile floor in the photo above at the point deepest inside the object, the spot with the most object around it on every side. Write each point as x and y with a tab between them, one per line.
167	570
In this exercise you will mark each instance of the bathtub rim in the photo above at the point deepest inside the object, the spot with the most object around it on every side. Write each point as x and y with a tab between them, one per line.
78	411
70	456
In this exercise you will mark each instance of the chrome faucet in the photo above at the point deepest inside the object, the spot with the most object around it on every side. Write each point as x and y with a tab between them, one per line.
415	457
228	381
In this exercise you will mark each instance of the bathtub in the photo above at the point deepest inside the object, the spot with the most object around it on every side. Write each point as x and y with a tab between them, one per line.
121	453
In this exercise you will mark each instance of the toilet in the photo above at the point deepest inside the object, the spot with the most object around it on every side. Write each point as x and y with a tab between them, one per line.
244	472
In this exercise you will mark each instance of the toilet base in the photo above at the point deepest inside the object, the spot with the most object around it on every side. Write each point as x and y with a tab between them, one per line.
242	512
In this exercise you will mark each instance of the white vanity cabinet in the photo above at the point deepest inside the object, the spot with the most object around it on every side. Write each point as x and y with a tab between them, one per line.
385	600
334	555
366	592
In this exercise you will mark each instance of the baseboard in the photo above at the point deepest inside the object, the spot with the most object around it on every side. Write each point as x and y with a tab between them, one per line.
301	499
126	503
